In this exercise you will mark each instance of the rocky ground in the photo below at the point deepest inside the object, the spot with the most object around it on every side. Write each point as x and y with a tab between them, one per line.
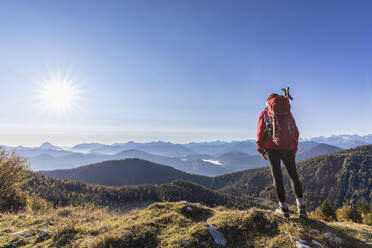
175	224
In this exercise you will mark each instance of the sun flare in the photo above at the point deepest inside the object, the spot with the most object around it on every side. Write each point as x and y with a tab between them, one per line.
58	94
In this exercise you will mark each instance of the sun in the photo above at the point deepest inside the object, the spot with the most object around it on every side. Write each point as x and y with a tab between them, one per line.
58	94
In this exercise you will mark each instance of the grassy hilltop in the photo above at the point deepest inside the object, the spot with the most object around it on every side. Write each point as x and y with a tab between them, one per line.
176	224
38	211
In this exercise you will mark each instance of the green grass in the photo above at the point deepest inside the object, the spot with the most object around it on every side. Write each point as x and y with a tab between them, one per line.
170	224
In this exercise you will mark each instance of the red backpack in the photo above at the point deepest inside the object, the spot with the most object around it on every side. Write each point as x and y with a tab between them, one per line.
279	122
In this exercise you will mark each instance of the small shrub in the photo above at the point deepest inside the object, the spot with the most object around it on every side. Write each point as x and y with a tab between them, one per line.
348	213
35	203
196	213
13	201
367	218
363	207
325	211
65	235
64	212
259	221
281	241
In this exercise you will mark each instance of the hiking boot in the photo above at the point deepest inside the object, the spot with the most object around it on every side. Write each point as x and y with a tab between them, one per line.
282	212
302	212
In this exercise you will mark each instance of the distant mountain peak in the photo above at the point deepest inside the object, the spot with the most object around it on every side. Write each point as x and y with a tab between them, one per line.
48	145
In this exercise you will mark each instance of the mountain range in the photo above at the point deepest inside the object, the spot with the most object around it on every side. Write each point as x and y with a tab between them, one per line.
196	164
340	177
204	158
344	141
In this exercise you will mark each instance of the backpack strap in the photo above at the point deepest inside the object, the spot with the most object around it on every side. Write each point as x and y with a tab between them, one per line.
269	125
293	129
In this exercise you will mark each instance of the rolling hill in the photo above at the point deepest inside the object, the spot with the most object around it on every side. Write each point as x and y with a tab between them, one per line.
86	147
69	192
125	172
239	161
320	149
340	177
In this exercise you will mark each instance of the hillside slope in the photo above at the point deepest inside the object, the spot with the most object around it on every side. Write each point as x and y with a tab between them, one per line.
67	192
125	172
317	150
339	177
178	224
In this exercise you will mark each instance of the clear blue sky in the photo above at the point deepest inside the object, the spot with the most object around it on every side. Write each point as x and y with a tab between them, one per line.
183	70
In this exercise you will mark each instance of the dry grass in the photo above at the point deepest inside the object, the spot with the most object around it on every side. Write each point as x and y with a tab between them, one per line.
177	224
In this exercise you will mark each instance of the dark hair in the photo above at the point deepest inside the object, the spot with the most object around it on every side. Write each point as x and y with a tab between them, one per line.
272	95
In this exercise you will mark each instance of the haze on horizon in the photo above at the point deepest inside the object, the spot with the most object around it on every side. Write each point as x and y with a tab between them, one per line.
180	71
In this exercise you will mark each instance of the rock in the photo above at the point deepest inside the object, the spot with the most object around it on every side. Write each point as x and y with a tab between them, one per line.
27	235
43	236
19	232
316	243
189	209
332	237
217	235
10	246
300	243
338	240
315	231
329	235
297	240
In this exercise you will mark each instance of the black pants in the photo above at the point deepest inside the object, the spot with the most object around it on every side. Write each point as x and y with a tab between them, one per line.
288	158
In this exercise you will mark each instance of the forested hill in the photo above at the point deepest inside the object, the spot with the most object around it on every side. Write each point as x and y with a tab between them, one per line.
340	177
126	172
67	192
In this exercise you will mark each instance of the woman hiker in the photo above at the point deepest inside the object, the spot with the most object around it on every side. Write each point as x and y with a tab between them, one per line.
277	140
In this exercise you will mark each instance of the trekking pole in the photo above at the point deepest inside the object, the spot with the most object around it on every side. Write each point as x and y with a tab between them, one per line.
286	93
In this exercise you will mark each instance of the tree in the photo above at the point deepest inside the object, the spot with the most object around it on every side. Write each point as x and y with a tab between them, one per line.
348	213
363	206
326	211
13	174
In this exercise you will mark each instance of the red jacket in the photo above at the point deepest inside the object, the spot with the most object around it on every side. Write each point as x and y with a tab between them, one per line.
265	142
